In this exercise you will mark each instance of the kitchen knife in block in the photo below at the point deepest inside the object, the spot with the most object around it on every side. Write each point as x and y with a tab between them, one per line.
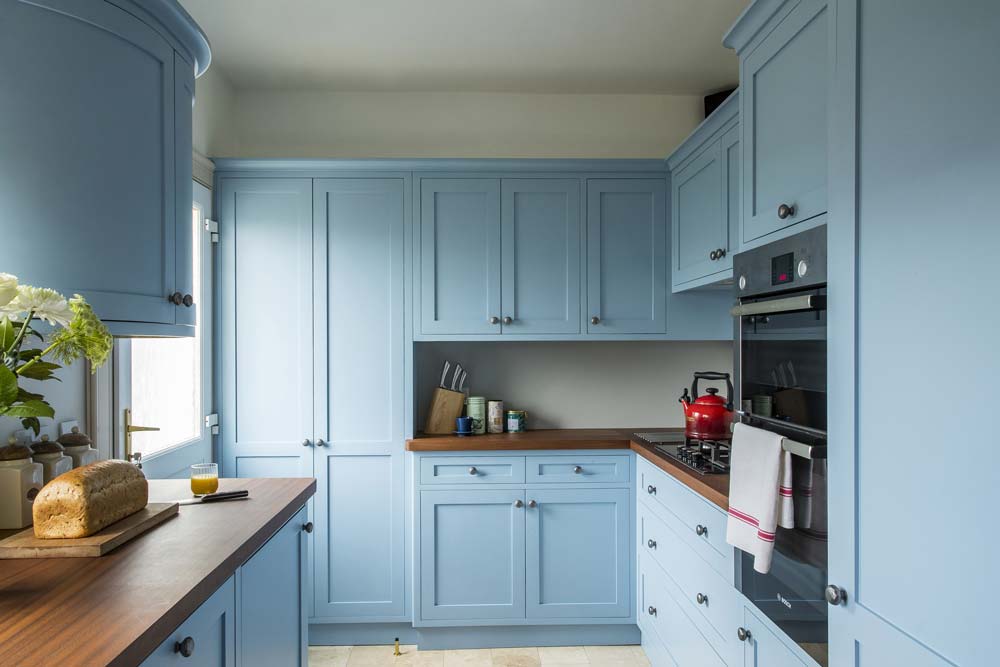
446	406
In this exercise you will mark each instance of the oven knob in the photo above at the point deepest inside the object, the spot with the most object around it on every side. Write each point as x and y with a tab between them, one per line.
743	282
802	268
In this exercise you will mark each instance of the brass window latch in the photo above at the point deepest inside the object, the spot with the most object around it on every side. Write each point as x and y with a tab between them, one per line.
131	428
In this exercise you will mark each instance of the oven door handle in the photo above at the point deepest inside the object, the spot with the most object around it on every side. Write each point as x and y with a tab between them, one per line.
787	305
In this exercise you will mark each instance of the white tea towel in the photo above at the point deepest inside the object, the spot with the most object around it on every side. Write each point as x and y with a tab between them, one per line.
760	493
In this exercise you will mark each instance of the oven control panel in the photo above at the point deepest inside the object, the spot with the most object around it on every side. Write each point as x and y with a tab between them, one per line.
793	263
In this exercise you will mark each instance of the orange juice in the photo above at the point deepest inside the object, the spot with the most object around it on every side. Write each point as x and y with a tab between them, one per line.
202	484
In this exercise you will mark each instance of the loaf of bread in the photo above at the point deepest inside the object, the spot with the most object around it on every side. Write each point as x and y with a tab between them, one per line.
83	501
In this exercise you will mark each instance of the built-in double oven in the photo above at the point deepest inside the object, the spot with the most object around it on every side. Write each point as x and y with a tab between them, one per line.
781	367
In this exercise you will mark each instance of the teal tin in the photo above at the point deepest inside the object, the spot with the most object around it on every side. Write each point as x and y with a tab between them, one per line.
517	421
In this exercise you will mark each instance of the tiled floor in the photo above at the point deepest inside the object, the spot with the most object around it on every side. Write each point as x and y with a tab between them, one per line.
375	656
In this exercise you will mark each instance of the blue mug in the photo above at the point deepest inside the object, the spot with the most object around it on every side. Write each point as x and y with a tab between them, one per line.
463	424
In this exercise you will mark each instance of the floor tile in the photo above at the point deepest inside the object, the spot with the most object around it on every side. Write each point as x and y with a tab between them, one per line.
412	656
562	656
641	656
480	657
515	657
329	656
370	656
610	653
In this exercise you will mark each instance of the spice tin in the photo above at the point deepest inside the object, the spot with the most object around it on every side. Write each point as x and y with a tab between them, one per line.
494	416
475	407
516	421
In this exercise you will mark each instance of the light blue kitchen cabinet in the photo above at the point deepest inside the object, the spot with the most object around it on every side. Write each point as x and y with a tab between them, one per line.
540	266
101	103
265	302
472	564
783	50
762	648
271	599
208	636
359	393
626	256
460	260
577	553
912	547
704	173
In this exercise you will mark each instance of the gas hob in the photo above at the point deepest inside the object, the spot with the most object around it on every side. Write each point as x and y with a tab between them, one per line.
705	457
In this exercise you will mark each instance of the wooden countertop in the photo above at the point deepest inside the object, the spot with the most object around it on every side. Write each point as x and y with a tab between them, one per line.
114	610
714	488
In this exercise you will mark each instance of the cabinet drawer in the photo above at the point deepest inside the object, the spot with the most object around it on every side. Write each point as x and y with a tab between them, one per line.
212	631
696	521
719	605
662	611
472	470
579	469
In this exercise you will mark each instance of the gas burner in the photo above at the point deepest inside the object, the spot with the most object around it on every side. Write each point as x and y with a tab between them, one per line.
705	457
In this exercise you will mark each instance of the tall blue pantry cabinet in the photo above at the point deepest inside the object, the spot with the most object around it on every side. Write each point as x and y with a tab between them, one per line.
312	353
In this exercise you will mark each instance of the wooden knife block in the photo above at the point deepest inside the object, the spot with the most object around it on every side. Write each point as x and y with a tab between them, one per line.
446	406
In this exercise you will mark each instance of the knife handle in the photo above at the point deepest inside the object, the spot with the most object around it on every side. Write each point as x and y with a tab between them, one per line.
225	495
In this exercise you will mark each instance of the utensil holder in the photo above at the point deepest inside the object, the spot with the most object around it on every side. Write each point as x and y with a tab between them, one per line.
446	406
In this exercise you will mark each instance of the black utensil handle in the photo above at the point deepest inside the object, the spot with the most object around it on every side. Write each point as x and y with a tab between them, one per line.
225	495
713	375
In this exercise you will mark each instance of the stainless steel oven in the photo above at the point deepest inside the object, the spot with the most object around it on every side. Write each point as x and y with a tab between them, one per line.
781	368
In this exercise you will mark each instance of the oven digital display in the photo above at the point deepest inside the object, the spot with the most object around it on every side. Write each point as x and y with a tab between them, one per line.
781	269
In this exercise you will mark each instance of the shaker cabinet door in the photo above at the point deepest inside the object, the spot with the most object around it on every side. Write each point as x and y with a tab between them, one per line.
626	256
700	226
541	232
783	101
208	636
460	256
88	157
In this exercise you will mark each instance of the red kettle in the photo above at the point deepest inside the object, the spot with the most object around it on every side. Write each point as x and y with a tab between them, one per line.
708	417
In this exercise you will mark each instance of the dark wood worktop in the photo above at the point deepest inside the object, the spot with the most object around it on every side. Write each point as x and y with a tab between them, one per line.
714	488
115	609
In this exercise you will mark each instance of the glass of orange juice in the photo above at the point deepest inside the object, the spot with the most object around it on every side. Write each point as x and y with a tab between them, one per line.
204	478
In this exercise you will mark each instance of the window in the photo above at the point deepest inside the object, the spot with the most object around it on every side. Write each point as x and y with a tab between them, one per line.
163	385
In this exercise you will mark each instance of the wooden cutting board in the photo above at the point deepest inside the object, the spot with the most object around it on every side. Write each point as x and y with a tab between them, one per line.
26	545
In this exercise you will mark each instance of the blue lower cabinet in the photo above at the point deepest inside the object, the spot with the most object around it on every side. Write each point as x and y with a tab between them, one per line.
206	639
271	597
762	648
577	552
472	554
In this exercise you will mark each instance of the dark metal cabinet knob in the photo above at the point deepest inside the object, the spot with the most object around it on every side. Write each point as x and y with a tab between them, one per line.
321	443
532	504
494	320
701	530
651	544
185	647
307	443
835	595
577	470
701	598
651	490
508	319
518	503
714	255
595	320
743	634
785	211
188	300
308	527
176	298
473	471
720	253
651	611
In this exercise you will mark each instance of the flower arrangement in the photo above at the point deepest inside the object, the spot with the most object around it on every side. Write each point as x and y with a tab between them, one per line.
77	332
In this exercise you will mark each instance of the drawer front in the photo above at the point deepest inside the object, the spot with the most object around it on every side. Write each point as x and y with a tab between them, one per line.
707	593
577	469
699	523
472	470
663	611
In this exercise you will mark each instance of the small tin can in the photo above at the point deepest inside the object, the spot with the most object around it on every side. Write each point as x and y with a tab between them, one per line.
516	421
494	416
475	407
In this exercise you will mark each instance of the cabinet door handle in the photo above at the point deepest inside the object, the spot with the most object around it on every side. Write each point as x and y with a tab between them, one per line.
835	595
786	211
651	544
188	300
743	634
307	443
577	470
720	253
595	320
532	504
494	320
473	471
308	526
701	598
519	503
651	611
176	298
185	647
651	490
701	530
321	443
714	255
508	319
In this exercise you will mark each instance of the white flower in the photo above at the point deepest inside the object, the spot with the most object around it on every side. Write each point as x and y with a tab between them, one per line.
8	288
46	304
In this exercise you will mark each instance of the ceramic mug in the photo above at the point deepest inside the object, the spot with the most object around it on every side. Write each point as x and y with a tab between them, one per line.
463	424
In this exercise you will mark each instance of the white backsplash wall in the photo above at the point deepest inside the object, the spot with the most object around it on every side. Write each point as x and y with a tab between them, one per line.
576	384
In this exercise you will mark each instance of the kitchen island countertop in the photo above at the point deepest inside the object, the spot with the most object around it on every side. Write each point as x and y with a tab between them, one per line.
117	608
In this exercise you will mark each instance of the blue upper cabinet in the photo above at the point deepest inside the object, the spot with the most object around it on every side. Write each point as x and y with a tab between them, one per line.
98	171
265	258
704	179
460	256
783	50
626	256
540	241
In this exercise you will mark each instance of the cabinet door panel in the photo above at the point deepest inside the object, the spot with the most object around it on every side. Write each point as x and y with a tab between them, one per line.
783	103
541	255
577	546
265	265
90	165
699	222
359	393
459	255
471	554
626	256
271	617
184	232
764	649
212	626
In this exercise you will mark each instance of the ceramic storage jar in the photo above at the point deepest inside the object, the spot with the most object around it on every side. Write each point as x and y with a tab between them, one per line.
20	482
52	457
78	447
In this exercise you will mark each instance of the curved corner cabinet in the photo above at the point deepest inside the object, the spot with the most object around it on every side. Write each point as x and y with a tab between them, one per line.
96	186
